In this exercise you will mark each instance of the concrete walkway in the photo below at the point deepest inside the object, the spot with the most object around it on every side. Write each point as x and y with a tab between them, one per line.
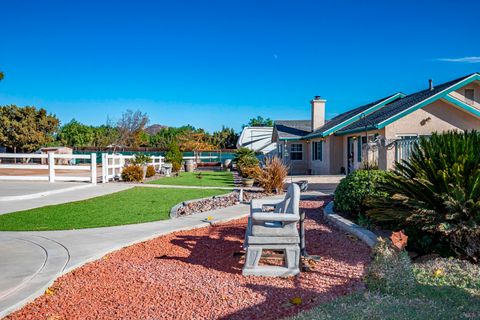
90	191
31	261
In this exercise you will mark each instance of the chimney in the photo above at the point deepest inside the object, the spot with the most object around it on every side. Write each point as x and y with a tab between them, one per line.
430	84
318	112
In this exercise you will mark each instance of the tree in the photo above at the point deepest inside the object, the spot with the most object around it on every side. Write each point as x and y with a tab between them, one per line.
225	138
166	136
130	128
195	141
26	129
105	135
174	156
2	75
76	134
259	121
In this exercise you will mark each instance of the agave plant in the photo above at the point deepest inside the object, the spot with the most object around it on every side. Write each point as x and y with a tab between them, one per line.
437	190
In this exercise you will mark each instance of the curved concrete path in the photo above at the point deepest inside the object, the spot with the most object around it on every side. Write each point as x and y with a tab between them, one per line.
31	261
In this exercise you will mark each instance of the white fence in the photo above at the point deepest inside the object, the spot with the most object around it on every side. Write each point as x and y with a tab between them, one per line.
113	164
51	163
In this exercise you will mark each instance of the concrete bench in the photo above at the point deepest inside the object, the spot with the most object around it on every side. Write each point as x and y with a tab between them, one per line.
274	230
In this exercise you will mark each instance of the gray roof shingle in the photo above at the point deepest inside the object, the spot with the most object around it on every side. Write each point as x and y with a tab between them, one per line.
345	116
292	129
399	105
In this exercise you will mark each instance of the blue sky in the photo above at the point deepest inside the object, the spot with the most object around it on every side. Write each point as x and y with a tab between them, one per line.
214	63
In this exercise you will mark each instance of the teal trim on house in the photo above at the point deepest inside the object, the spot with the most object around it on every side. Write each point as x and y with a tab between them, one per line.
289	139
355	117
427	101
462	105
342	133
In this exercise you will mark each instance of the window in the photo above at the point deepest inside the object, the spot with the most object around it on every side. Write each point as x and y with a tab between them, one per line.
296	151
362	143
317	152
280	150
469	96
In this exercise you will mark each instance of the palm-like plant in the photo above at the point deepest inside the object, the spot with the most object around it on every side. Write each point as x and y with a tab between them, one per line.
437	190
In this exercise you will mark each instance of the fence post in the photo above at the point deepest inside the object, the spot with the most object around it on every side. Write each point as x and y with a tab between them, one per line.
51	167
122	164
93	168
104	168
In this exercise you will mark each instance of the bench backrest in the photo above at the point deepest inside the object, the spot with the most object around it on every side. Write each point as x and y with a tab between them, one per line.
291	202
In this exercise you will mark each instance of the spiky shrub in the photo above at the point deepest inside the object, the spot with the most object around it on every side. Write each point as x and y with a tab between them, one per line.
355	188
272	176
132	173
437	191
141	159
390	270
174	156
246	162
150	171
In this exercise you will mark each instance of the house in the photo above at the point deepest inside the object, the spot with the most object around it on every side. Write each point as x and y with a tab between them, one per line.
258	139
379	133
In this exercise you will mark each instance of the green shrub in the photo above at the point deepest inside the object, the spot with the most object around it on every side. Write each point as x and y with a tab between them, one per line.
246	162
132	173
175	157
150	171
390	270
437	191
355	188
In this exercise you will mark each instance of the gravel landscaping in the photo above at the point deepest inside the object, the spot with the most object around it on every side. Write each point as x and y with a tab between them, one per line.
196	274
217	202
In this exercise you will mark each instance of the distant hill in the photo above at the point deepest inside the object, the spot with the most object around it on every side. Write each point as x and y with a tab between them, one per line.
154	128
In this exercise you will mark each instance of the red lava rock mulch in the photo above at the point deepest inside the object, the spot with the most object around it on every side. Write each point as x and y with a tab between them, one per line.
197	275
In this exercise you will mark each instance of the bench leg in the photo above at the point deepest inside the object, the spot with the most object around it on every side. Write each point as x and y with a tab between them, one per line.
292	257
252	257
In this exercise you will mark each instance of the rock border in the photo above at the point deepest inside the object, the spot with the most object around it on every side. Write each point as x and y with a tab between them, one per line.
348	226
174	209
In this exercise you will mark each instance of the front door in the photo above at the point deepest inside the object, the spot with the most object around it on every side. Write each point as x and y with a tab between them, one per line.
350	156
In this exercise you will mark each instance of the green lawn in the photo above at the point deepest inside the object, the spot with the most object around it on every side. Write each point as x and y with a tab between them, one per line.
199	178
455	295
134	205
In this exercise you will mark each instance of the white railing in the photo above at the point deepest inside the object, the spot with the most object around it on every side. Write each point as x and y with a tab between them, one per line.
113	164
50	163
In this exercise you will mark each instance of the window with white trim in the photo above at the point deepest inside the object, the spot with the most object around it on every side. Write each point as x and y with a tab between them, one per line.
317	150
296	151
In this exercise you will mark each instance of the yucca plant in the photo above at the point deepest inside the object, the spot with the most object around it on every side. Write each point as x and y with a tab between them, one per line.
437	190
